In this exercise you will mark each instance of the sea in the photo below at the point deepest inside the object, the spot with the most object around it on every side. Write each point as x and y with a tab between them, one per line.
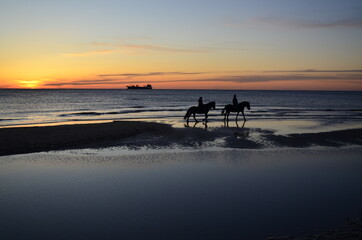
29	107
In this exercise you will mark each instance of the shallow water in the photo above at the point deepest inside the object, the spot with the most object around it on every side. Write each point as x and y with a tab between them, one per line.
178	194
31	107
279	126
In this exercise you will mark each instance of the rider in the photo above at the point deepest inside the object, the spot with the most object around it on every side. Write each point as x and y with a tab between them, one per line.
201	104
235	101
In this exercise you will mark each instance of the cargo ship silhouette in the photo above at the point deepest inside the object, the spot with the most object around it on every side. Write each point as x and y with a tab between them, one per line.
148	86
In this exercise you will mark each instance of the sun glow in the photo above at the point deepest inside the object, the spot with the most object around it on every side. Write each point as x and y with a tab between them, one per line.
29	83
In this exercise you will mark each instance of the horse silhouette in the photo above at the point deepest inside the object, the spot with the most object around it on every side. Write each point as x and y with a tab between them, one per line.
231	108
199	110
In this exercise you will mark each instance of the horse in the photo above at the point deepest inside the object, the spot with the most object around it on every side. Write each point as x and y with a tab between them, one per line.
231	108
202	110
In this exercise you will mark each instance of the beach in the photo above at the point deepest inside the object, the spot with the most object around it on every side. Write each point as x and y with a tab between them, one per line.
109	164
186	120
146	180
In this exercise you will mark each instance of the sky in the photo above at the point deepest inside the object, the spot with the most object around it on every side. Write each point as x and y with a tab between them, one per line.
172	44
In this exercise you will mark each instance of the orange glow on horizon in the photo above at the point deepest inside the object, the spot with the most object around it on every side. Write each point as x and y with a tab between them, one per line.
238	80
217	85
29	84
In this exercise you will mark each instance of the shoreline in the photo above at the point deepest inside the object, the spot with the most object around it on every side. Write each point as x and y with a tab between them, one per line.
137	134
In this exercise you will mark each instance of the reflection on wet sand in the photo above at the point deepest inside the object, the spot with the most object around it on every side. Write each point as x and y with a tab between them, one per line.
168	194
196	124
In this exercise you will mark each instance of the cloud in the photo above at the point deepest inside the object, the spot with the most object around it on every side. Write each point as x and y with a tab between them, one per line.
292	24
5	85
81	54
150	74
295	77
161	48
84	82
151	47
317	71
126	78
356	78
342	76
133	48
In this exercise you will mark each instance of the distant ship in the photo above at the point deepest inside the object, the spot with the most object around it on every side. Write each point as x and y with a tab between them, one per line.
139	87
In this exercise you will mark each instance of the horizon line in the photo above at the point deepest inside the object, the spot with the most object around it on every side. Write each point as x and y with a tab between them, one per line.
196	89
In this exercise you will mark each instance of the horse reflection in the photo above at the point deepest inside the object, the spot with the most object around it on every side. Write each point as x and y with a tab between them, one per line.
231	108
226	124
238	131
199	110
188	125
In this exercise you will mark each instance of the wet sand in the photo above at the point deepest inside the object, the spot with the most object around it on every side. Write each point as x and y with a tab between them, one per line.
351	230
46	138
139	134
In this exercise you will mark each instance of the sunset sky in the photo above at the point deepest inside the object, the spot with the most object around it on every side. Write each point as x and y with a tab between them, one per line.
214	44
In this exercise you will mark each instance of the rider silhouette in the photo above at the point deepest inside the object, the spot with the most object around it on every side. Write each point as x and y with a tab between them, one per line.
201	104
235	101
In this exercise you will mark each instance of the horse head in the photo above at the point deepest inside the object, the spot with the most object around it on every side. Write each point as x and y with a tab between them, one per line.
244	104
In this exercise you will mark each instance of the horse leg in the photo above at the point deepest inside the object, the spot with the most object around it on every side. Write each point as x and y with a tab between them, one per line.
187	116
243	115
237	115
187	120
195	118
205	117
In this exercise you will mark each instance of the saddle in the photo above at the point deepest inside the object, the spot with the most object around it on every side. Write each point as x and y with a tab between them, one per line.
235	108
200	108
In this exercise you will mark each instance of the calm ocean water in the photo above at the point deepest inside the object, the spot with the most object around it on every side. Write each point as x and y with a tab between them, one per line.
27	107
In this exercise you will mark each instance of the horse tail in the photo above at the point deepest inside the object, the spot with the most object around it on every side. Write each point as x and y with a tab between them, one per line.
222	112
188	113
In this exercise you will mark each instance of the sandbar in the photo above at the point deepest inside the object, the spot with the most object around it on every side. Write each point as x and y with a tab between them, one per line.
46	138
136	134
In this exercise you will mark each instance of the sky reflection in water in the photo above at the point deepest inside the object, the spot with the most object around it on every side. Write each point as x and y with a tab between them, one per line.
233	194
